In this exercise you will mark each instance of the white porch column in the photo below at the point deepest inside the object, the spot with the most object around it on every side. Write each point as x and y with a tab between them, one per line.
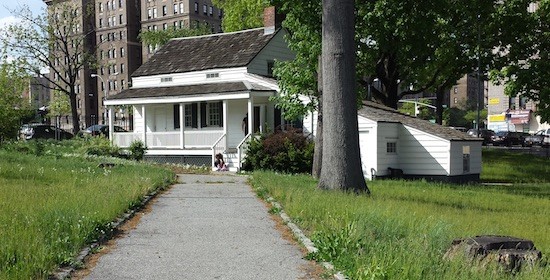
144	125
182	125
111	125
225	116
262	118
250	114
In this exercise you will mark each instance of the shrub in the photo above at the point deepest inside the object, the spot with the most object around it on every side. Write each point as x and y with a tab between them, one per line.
99	146
283	151
137	150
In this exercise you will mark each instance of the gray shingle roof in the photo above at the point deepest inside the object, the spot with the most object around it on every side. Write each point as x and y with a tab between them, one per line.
188	90
222	50
380	113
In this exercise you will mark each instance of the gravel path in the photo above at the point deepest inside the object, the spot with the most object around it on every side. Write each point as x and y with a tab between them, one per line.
205	227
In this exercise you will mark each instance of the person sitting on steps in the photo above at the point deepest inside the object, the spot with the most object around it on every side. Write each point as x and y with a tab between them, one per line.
220	163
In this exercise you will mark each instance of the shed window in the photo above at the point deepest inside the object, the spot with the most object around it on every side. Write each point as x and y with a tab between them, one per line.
391	147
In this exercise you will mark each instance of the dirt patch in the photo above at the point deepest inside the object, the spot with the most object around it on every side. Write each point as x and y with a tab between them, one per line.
91	260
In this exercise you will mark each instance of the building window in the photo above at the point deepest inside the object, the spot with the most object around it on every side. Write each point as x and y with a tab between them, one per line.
391	147
155	13
164	10
164	26
455	100
204	9
214	114
149	13
189	115
120	3
175	8
211	11
100	7
166	79
120	19
212	75
122	52
100	23
197	7
181	8
122	84
270	66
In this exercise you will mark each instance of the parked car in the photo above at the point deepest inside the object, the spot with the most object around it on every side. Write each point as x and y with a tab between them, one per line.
43	131
541	138
486	134
509	138
99	129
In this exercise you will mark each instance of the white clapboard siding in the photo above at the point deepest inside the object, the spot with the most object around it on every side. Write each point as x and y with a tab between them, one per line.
456	157
421	153
276	50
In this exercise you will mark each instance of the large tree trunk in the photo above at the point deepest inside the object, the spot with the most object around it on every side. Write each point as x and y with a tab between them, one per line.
74	112
318	152
341	162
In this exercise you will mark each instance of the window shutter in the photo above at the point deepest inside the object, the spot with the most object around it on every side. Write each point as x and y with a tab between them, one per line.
203	114
194	115
221	113
176	116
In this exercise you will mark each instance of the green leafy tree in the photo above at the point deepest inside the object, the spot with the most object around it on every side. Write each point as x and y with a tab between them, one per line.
13	81
60	105
57	39
528	72
241	14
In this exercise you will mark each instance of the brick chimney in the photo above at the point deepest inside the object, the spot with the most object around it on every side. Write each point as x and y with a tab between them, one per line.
272	20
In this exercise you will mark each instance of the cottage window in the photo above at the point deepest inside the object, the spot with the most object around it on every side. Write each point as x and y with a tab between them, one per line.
214	114
391	147
189	120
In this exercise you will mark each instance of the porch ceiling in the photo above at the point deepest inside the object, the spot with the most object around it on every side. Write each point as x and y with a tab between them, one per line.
189	90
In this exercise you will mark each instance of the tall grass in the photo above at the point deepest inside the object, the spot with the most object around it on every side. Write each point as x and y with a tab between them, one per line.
403	230
52	206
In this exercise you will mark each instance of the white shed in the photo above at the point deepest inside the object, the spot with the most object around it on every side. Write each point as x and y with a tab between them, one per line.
398	145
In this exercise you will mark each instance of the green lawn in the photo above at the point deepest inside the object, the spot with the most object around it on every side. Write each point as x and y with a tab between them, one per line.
51	206
403	229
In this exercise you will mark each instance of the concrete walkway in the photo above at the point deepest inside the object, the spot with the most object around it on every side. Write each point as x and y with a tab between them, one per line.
205	227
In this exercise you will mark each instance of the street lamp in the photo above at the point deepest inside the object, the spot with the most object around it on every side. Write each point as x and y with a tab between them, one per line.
106	89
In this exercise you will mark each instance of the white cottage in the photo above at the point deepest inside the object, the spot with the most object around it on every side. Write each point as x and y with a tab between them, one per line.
198	96
393	144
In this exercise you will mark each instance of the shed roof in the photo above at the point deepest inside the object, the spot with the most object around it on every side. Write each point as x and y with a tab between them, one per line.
381	113
223	50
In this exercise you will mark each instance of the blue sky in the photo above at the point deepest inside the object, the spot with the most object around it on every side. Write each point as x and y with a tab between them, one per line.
36	7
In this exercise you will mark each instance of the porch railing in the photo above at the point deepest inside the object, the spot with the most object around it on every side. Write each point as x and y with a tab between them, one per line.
169	139
243	146
219	147
125	139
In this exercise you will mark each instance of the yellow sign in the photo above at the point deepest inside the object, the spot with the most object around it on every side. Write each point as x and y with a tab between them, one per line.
494	101
496	118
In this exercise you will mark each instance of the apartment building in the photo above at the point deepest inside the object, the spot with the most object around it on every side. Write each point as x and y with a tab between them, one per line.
86	102
464	95
164	14
113	28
